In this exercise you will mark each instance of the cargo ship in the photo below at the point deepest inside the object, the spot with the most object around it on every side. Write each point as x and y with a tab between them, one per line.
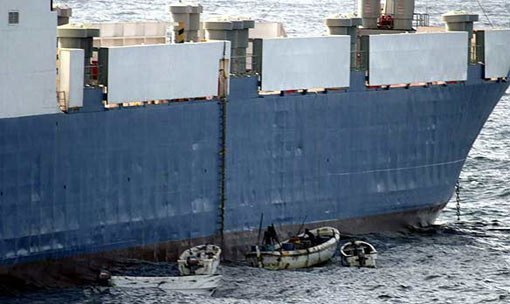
116	142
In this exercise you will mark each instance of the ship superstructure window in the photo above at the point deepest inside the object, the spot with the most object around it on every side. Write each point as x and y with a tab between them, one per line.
13	18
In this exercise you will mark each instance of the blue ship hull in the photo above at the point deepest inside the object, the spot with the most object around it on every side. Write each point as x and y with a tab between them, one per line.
360	159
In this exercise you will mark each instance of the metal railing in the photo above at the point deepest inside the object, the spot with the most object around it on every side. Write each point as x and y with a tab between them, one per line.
359	61
477	55
62	101
91	74
245	65
421	19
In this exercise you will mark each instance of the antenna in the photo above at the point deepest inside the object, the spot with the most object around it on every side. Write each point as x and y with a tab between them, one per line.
485	13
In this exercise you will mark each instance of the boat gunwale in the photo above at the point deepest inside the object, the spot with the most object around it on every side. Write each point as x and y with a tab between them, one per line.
343	253
217	253
333	241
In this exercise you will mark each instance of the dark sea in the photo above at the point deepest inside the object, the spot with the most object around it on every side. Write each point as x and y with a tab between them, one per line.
466	261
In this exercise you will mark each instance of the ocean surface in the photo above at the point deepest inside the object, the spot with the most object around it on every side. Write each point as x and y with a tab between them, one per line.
466	261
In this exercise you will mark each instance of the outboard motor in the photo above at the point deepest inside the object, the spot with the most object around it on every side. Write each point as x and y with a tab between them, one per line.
104	278
193	263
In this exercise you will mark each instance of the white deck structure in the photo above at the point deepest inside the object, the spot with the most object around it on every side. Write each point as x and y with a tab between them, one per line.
28	52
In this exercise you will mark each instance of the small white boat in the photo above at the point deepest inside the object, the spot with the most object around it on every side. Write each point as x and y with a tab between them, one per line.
306	250
201	284
200	260
359	254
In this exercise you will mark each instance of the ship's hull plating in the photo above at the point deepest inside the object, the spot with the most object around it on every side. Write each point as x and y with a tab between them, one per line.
82	269
360	160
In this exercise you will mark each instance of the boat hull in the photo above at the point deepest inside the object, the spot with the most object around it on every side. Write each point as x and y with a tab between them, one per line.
296	259
82	269
208	265
352	261
358	254
195	285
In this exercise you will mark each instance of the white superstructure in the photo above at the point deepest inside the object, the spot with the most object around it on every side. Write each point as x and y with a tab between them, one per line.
28	29
129	69
72	66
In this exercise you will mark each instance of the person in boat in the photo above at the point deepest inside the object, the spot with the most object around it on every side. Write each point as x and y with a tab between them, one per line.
360	252
193	263
270	236
310	237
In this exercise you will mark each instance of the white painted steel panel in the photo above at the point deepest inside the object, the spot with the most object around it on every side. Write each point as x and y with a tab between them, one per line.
156	29
28	56
110	29
497	53
267	30
417	58
159	72
306	63
71	71
132	29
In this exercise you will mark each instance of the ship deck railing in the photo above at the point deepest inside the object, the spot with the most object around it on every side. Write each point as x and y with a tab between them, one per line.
250	67
477	54
421	20
359	61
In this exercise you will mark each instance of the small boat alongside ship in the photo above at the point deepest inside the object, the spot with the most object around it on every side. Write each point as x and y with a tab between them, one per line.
314	247
358	254
199	284
200	260
198	267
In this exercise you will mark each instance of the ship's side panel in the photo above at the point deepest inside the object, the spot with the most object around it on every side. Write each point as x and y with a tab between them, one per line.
425	57
497	62
97	181
166	71
28	30
323	157
313	62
